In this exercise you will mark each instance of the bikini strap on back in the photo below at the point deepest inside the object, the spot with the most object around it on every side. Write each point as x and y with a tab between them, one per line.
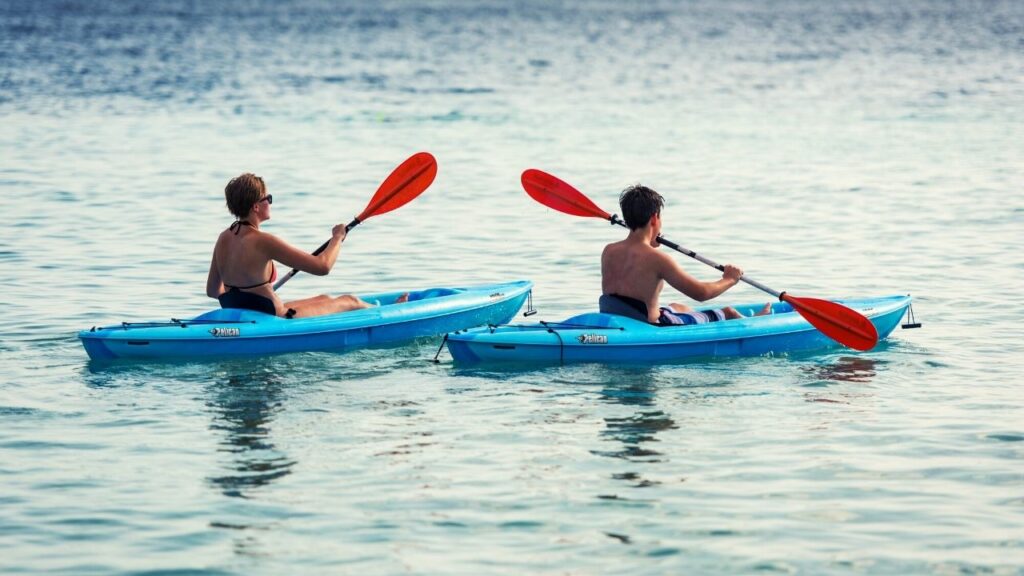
237	225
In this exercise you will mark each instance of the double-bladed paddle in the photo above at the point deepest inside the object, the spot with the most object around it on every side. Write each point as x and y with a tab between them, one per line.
406	182
842	324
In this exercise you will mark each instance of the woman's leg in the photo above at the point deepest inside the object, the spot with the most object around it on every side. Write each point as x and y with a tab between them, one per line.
324	304
308	301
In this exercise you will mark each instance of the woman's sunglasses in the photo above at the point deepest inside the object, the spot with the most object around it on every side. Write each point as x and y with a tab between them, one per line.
269	199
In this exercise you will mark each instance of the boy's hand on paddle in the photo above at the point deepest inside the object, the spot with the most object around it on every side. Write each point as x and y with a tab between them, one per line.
732	273
339	232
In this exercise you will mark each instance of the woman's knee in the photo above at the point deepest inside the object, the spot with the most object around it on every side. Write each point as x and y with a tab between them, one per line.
311	301
349	302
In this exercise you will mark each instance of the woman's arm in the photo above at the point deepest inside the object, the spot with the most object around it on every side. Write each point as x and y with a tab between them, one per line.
214	285
320	265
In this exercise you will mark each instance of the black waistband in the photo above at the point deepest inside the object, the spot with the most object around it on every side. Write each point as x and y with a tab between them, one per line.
631	302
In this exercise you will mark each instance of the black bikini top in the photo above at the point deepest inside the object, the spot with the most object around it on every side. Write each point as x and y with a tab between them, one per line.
237	225
273	274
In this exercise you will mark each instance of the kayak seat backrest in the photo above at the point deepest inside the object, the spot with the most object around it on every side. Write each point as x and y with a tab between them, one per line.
611	305
433	293
593	320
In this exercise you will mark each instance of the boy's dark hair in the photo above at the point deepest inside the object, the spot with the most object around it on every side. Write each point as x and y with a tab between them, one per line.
638	204
242	192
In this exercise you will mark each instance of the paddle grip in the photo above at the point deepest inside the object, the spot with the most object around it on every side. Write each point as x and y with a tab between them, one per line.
355	222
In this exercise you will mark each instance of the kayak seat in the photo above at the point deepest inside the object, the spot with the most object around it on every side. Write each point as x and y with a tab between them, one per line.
612	305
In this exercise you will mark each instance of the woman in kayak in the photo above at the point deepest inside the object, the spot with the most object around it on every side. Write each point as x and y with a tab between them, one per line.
242	271
634	271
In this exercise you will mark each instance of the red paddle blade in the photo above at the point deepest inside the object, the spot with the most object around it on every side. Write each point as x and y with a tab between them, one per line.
406	182
556	194
842	324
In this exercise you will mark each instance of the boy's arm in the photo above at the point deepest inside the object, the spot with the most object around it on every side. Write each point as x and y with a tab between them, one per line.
700	291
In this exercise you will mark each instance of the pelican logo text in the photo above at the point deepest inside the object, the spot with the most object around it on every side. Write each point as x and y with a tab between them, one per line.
224	332
497	295
592	339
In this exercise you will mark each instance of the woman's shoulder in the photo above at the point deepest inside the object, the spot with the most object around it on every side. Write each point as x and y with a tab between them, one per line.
263	237
223	236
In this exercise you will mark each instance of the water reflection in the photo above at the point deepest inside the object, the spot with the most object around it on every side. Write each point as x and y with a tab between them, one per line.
244	406
637	431
244	398
845	369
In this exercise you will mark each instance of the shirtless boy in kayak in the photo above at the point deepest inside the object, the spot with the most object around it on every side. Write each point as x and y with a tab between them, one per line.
634	271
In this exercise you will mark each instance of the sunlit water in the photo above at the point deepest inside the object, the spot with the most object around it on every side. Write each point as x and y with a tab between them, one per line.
830	149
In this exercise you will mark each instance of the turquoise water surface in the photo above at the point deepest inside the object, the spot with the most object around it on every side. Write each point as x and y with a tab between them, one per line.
829	149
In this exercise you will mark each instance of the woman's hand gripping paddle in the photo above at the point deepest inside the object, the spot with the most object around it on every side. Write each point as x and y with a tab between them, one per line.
842	324
406	182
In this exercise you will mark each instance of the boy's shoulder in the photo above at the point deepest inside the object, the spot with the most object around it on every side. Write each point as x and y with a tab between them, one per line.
614	245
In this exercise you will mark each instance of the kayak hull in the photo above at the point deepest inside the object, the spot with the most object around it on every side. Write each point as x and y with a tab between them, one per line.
606	338
234	332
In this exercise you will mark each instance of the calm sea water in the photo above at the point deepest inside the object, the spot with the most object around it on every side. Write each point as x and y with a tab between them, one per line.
830	149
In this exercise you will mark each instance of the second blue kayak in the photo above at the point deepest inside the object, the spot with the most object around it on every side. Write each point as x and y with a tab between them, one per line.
234	332
596	337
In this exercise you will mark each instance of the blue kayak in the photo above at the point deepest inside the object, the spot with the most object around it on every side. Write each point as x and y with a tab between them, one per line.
234	332
596	337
